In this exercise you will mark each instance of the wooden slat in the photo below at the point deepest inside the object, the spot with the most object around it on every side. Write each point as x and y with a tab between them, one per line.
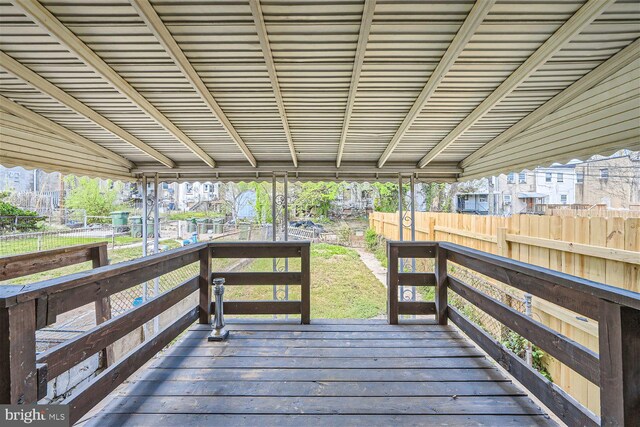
563	405
216	389
305	290
88	396
189	362
619	336
621	255
244	420
415	249
21	265
510	405
260	307
256	249
119	276
100	258
259	278
336	343
417	307
303	353
416	279
569	352
442	282
18	377
102	286
204	283
392	284
555	282
66	355
410	336
519	276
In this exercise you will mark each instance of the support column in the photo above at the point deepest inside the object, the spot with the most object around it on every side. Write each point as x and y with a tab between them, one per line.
145	213
156	241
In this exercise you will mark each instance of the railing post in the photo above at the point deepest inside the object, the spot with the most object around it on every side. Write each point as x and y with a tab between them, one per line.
392	284
99	258
619	336
305	288
18	375
441	285
205	286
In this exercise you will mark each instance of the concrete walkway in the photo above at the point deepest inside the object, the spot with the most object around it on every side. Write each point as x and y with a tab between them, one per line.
374	265
377	268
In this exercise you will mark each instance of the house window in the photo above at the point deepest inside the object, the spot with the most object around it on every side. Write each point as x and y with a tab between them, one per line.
547	177
522	177
511	178
482	199
507	199
560	177
604	173
563	199
580	177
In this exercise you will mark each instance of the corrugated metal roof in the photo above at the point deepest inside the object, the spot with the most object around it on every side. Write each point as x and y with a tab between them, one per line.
500	62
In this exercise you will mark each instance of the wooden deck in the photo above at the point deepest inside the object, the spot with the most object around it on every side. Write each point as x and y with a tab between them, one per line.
328	373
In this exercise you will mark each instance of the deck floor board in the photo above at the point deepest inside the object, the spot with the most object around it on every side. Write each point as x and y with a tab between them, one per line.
345	374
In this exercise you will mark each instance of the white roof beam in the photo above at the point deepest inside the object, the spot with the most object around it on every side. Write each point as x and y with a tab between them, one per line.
477	14
35	80
36	119
573	26
597	75
160	31
363	39
41	16
258	18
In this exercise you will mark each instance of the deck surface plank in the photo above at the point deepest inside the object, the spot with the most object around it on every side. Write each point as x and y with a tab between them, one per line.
327	373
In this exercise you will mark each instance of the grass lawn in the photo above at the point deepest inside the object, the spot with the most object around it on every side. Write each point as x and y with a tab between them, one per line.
115	256
14	247
341	285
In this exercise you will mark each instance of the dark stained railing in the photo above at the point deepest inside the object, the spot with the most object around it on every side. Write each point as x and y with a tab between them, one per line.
24	309
616	369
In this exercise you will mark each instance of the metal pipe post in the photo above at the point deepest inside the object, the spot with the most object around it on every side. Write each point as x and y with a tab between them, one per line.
156	241
529	312
219	333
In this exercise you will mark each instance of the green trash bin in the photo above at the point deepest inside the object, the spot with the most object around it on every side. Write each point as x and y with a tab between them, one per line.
202	225
218	226
245	230
119	218
136	227
191	225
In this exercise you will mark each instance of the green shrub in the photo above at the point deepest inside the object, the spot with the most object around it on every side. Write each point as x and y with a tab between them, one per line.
518	345
370	239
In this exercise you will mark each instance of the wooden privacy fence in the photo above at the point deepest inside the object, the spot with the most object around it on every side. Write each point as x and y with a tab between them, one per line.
24	309
615	368
605	250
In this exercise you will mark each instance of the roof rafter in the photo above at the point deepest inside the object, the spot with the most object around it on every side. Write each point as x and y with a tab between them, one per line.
258	18
597	75
583	17
160	31
363	39
24	113
35	80
468	28
41	16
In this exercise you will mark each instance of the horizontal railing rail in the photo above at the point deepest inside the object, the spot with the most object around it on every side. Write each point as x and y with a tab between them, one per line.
24	375
396	278
616	366
25	309
295	249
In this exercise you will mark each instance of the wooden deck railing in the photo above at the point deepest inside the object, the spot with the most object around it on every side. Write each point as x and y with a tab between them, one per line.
296	249
616	369
24	309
